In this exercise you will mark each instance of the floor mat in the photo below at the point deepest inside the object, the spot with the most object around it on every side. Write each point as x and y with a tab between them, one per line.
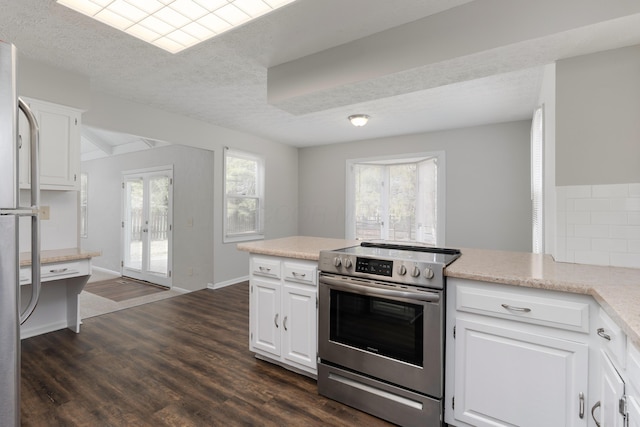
123	288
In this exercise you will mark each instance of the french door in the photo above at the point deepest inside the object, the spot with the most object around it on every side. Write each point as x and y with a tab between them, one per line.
147	225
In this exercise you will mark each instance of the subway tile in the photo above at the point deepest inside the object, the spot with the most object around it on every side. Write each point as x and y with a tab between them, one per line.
633	218
625	232
609	245
591	230
631	204
634	190
577	191
578	244
625	260
612	218
561	224
590	257
633	246
592	205
612	190
578	218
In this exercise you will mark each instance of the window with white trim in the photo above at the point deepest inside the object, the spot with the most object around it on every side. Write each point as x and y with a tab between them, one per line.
243	196
400	199
537	180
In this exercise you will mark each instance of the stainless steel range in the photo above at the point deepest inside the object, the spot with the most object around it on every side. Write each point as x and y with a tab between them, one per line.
381	330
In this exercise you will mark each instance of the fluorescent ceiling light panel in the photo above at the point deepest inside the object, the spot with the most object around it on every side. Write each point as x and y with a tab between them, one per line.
174	25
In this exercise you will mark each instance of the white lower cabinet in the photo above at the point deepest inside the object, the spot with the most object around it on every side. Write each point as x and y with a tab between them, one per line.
618	376
506	366
283	312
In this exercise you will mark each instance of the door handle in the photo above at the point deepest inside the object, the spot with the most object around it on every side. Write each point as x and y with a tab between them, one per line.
581	398
275	320
593	415
602	334
284	323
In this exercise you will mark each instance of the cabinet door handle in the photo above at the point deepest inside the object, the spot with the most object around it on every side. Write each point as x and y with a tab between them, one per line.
284	323
512	308
275	320
601	333
581	398
593	415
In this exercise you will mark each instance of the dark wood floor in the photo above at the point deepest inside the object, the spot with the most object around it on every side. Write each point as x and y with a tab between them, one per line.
183	361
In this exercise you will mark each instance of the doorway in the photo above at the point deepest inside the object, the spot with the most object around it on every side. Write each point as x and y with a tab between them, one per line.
147	225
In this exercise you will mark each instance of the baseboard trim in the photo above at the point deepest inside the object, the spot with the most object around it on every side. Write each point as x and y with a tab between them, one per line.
106	270
180	290
227	282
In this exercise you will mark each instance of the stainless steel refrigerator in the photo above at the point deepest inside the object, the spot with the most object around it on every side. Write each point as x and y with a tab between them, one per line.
13	311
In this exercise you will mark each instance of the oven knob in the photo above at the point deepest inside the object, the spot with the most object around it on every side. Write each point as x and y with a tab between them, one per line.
348	263
337	261
428	273
402	270
415	272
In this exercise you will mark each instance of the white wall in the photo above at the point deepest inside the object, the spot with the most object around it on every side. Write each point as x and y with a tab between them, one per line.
598	158
548	100
192	200
598	124
487	184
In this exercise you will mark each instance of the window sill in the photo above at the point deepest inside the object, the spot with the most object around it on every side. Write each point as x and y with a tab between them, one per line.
244	238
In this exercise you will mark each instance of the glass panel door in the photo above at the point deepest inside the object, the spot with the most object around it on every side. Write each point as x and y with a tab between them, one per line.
147	226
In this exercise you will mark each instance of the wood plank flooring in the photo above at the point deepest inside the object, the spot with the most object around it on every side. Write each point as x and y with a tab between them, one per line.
183	361
122	288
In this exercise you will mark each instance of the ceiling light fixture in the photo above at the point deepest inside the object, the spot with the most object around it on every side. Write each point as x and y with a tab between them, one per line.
174	25
359	120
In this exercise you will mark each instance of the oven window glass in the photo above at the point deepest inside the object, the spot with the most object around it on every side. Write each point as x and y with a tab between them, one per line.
378	325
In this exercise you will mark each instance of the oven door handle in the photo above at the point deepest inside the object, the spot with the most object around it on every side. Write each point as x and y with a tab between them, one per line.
371	290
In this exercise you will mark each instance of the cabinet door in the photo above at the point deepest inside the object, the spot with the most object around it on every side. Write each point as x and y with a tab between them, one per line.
505	376
633	411
265	316
611	392
299	325
59	146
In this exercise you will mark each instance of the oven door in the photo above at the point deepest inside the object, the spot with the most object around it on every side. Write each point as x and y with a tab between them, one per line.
381	330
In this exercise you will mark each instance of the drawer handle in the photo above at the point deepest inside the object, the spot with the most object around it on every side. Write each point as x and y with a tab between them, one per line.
298	274
58	270
264	269
512	308
601	333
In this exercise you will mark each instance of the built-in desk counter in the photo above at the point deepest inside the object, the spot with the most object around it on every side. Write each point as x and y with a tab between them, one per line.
64	273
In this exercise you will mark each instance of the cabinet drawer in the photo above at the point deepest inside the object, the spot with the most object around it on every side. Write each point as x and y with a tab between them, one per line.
56	271
612	338
521	306
266	267
302	273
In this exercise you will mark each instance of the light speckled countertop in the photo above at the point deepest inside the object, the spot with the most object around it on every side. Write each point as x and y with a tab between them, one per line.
616	289
58	255
300	247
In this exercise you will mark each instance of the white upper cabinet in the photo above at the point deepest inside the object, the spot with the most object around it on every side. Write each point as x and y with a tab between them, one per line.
59	146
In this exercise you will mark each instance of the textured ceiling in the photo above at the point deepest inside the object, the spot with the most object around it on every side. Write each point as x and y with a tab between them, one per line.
224	80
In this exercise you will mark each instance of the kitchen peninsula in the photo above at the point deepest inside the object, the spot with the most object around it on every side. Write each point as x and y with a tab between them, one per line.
64	273
518	326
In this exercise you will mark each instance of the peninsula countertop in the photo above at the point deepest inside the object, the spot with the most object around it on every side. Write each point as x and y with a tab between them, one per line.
300	247
616	289
58	255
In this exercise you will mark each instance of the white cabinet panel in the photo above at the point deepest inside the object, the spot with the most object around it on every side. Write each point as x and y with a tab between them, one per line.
299	309
265	316
612	390
507	377
59	146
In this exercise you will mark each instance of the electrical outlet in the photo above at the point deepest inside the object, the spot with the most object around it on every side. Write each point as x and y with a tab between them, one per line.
44	213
